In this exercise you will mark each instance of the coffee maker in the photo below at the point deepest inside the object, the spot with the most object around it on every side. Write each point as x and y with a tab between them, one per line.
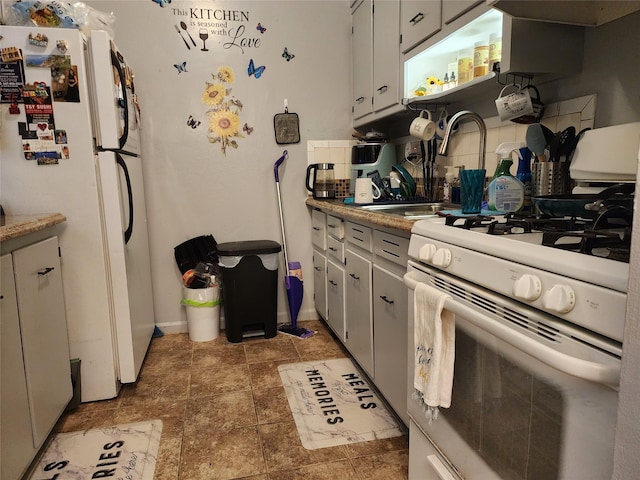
367	158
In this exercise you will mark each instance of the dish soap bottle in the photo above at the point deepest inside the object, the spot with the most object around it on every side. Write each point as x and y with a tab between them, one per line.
506	193
448	183
524	175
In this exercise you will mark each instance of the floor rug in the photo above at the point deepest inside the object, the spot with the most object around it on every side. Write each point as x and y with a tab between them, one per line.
124	451
332	404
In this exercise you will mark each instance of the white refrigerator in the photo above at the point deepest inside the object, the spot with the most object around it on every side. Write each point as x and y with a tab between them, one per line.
70	143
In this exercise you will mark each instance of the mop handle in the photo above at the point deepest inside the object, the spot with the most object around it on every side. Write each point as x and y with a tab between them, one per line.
285	154
284	240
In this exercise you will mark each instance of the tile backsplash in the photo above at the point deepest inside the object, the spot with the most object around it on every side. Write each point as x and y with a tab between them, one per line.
337	152
463	147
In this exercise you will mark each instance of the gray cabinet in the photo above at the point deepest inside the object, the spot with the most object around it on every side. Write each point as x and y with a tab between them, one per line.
390	316
43	355
362	58
15	419
419	20
386	55
366	300
375	58
335	299
452	9
320	283
359	337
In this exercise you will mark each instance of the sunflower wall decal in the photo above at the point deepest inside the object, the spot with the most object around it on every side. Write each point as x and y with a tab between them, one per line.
224	114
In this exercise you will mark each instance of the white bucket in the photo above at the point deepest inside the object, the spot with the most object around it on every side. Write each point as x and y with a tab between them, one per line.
203	312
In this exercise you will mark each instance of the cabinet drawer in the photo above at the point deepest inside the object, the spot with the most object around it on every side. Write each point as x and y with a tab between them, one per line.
335	249
392	247
335	226
319	229
419	19
359	235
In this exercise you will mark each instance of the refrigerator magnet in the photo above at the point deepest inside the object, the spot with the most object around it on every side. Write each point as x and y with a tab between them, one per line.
38	40
62	46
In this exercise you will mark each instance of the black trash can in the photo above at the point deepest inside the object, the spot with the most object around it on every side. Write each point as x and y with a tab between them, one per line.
249	272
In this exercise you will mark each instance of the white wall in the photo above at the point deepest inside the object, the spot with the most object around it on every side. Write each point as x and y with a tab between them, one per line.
192	188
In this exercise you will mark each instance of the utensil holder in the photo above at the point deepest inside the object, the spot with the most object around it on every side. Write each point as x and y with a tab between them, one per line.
550	178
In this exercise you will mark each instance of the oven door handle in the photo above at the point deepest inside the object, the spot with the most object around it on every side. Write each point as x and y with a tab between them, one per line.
592	371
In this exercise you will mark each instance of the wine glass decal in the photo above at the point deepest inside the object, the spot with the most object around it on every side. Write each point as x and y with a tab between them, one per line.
204	35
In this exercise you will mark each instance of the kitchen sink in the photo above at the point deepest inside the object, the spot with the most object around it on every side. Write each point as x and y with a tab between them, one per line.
409	210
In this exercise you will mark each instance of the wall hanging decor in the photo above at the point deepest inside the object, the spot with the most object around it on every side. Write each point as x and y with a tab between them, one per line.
224	114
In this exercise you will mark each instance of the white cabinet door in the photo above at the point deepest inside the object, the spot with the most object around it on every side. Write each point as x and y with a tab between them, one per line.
419	19
43	328
362	58
452	9
359	339
16	440
320	283
335	299
390	317
386	53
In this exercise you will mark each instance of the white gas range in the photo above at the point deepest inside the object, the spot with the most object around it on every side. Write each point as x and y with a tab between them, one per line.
539	321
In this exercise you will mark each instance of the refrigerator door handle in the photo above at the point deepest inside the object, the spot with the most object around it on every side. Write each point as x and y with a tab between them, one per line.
129	231
125	103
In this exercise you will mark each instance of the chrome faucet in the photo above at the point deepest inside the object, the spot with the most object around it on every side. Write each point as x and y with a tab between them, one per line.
481	126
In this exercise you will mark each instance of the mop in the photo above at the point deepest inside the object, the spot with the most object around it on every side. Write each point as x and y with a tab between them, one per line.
293	277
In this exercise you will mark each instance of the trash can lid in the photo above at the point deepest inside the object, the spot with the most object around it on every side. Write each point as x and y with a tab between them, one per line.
248	247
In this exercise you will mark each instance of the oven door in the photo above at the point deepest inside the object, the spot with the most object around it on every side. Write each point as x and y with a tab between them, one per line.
531	396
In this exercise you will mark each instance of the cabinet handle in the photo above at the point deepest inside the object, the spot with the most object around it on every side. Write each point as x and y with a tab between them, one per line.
354	276
331	226
333	283
359	99
385	299
46	270
333	249
419	16
1	297
316	228
382	89
317	269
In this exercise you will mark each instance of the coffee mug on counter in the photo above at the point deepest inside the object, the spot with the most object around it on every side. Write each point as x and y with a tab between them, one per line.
423	128
366	191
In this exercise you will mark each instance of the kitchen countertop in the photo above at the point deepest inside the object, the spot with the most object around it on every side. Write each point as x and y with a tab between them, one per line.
15	226
357	214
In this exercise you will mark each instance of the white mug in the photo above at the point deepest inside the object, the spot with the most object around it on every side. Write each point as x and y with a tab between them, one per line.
515	104
423	128
364	191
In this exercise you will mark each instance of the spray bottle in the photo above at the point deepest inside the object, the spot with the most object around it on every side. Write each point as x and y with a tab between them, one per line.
506	193
524	175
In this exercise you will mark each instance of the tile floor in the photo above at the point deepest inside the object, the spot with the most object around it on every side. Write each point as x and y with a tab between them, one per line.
226	415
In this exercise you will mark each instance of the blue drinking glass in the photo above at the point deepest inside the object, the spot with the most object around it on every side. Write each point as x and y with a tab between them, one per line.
472	190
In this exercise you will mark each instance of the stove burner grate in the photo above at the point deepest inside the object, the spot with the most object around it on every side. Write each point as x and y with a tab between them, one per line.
467	223
615	245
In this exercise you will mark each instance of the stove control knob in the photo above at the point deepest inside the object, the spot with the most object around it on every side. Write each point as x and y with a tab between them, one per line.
442	258
560	298
527	287
427	251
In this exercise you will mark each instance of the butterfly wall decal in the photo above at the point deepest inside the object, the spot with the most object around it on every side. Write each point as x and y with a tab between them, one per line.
286	55
192	122
261	28
181	67
247	129
256	72
162	3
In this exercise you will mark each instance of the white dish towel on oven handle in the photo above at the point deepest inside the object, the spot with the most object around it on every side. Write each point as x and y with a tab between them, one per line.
434	343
